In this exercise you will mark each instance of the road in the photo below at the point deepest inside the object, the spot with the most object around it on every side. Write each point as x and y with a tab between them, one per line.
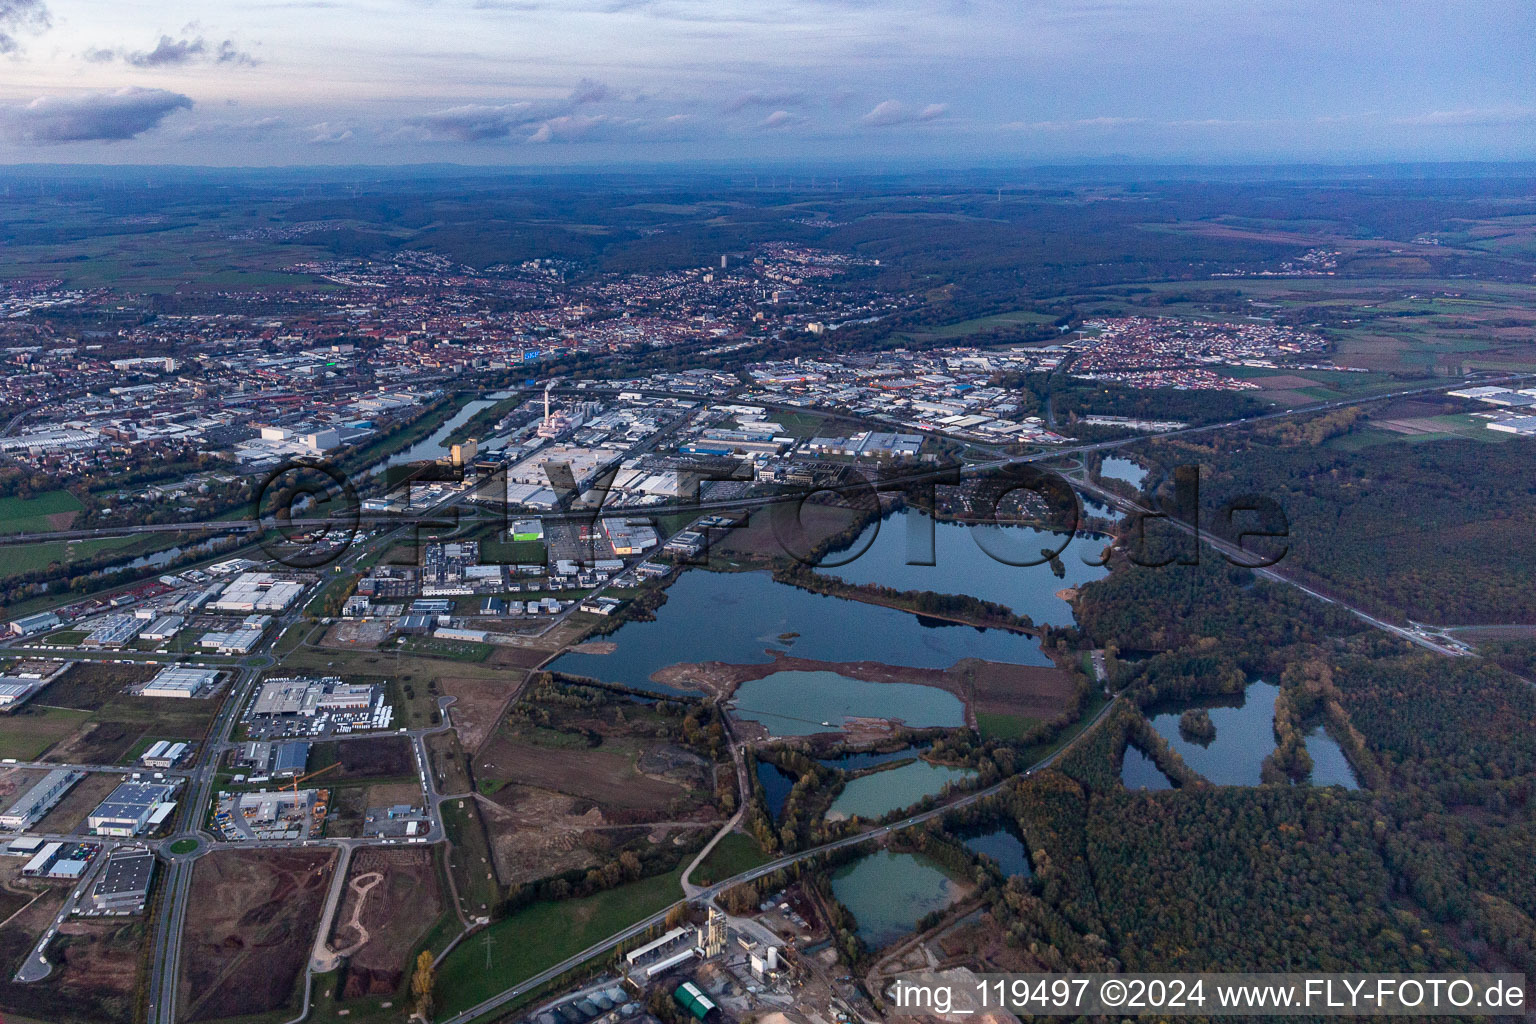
436	513
1241	557
176	887
710	892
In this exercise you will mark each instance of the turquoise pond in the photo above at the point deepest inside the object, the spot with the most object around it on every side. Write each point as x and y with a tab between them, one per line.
879	793
798	703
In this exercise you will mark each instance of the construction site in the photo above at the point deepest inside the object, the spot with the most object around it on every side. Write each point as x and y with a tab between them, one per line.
271	814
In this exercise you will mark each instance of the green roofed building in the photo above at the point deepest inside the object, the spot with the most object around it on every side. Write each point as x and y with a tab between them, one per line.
693	999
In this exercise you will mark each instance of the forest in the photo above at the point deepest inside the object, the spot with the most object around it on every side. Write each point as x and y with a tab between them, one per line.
1437	532
1424	868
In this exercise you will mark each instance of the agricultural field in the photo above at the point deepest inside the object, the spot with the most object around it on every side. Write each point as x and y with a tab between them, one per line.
29	731
1008	699
735	853
249	931
51	510
597	746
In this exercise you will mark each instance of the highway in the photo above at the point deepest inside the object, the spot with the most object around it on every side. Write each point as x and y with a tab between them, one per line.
436	514
175	888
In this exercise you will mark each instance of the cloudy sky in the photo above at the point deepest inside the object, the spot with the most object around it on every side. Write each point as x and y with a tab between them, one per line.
947	82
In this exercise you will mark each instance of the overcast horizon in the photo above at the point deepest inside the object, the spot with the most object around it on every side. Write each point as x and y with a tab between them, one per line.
591	83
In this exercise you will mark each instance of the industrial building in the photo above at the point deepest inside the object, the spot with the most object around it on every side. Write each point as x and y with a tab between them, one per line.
240	640
281	758
29	624
24	682
164	754
307	698
61	860
290	758
163	628
280	814
131	807
181	682
257	592
560	467
399	821
114	631
40	799
527	529
630	536
123	887
692	998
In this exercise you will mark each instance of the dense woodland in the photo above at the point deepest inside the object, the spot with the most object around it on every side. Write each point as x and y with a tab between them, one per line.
1425	868
1439	533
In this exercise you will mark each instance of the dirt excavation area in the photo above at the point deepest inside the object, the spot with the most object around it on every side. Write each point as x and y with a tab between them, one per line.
250	928
535	832
392	898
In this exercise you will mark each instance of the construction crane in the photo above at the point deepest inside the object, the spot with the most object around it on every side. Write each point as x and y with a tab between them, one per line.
294	785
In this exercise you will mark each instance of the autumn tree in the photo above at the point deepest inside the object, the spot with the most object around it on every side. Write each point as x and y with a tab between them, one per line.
421	984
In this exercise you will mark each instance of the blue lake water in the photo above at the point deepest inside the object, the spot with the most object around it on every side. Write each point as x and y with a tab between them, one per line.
796	703
776	786
1115	468
1138	771
1245	735
738	617
962	566
1003	847
876	795
1329	765
1101	510
888	893
431	446
863	759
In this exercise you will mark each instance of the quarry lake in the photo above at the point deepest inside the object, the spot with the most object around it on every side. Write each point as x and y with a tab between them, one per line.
962	566
796	703
737	618
888	893
1244	737
1114	468
874	796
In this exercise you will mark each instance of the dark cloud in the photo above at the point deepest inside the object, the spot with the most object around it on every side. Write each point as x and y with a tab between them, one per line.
228	53
21	16
588	91
473	122
894	112
93	117
169	52
542	121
